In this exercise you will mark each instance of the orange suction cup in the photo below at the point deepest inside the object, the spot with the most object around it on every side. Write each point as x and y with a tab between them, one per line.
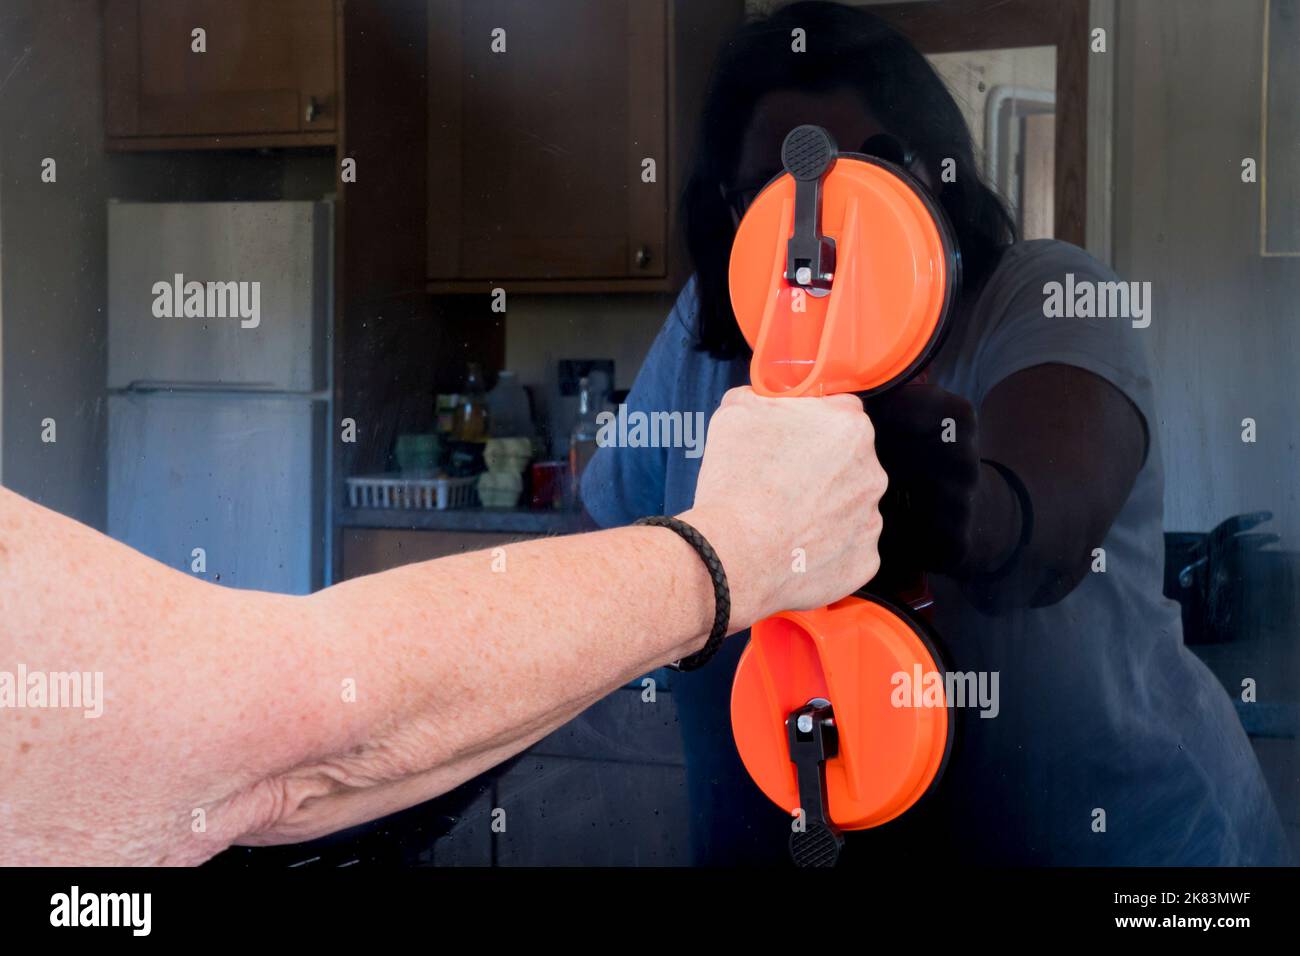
842	276
880	685
889	280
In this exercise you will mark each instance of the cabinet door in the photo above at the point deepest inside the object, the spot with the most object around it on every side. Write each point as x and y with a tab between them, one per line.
267	67
371	550
536	150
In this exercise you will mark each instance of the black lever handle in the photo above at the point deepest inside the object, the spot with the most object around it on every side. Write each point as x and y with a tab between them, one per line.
813	741
808	154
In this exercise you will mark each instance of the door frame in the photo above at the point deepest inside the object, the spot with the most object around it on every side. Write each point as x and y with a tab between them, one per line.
953	26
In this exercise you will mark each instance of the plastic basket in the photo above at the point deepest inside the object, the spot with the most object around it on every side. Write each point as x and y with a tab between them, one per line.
407	493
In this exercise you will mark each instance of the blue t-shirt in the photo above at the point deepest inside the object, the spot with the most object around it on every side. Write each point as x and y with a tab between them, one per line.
1112	743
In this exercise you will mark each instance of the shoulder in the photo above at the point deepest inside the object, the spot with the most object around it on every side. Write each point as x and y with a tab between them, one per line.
1051	302
674	353
678	333
1030	282
1040	261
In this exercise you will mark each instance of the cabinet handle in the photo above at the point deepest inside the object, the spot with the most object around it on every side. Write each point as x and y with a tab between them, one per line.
313	110
642	257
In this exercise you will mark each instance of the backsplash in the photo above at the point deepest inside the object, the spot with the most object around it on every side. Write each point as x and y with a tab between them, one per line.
542	330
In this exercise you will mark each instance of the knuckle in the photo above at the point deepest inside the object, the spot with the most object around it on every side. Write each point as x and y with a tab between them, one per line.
879	480
865	426
869	567
733	396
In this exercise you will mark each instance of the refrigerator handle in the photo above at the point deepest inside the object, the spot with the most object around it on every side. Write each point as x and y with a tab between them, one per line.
145	386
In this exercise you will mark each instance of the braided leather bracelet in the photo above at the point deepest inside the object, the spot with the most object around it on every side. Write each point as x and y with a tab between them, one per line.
721	593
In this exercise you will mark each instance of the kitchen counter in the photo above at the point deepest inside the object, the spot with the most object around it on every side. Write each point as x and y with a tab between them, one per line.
492	520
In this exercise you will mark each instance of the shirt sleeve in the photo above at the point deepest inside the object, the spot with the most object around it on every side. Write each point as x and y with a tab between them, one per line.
1035	306
620	485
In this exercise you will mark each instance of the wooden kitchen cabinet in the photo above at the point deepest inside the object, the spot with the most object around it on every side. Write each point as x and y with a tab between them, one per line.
268	76
371	550
541	119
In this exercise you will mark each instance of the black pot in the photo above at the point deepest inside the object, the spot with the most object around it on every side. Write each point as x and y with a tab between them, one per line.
1225	581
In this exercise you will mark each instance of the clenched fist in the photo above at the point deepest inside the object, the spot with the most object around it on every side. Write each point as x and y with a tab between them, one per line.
789	496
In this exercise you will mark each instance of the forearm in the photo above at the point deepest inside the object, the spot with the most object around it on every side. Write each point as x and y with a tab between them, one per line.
233	714
1076	444
996	526
457	666
1013	558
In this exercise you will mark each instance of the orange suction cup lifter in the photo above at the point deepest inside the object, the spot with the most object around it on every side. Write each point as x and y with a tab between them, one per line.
841	276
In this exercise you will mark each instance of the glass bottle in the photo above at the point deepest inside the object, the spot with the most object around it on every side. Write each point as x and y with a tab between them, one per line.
582	441
509	414
472	412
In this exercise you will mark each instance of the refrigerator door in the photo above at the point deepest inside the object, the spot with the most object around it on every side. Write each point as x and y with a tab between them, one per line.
222	486
256	313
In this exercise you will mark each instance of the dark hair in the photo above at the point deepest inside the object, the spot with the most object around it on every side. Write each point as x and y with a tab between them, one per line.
849	47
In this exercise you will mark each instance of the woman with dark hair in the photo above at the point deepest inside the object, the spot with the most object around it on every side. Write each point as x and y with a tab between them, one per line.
1039	521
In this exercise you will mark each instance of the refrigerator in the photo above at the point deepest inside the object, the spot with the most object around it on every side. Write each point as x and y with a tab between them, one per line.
219	397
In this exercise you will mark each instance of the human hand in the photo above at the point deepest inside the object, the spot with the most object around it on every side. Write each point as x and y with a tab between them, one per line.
788	495
927	440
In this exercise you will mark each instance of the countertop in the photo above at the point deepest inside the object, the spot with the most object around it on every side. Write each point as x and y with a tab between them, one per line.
504	520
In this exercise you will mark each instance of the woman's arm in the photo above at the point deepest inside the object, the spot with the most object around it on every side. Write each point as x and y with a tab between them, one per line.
1072	438
233	716
1077	443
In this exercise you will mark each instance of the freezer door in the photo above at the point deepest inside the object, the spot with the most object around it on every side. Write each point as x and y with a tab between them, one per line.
271	255
236	477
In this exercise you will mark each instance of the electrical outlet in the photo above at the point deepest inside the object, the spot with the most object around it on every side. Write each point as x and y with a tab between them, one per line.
571	370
